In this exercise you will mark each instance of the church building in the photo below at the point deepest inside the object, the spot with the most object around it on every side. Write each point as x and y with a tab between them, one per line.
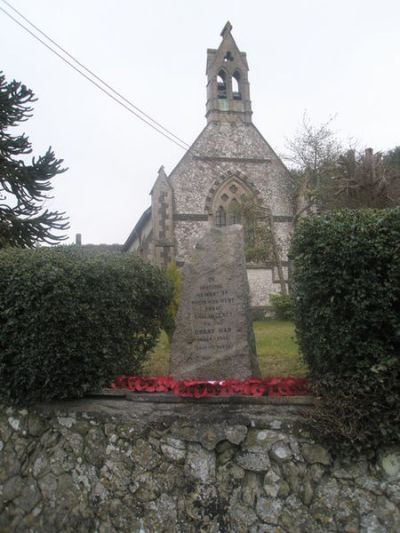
228	161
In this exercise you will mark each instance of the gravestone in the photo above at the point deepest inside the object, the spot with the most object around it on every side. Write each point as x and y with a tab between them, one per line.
214	338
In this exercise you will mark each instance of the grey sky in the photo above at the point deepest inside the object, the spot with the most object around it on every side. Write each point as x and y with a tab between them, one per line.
337	57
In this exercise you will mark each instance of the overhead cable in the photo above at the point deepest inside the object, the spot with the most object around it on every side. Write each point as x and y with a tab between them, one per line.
129	106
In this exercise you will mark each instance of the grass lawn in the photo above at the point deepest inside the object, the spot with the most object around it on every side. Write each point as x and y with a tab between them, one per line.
158	362
276	350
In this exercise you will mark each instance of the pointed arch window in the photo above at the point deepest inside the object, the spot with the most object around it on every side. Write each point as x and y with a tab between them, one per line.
221	84
220	217
236	86
225	204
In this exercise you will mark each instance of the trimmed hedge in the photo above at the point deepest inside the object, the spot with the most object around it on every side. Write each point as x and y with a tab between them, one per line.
359	411
175	278
346	288
346	285
282	306
73	319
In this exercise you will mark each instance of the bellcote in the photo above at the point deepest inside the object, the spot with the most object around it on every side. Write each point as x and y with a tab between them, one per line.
228	90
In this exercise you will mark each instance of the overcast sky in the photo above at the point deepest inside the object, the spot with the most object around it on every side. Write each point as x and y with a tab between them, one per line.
328	58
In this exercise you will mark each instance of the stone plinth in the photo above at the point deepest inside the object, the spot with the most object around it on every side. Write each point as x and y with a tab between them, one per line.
214	337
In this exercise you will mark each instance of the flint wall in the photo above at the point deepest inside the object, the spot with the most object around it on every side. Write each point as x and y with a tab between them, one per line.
115	465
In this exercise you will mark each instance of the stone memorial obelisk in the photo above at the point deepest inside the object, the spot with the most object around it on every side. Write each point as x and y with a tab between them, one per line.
214	338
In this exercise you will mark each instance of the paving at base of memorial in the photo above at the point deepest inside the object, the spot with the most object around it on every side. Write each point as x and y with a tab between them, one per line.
161	407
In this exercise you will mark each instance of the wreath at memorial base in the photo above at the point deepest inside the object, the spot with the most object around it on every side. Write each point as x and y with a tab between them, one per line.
191	388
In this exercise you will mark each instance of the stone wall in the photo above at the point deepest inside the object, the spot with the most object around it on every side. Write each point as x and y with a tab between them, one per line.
263	282
115	465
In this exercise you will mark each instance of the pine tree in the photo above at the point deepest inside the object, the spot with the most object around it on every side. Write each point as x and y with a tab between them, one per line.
24	186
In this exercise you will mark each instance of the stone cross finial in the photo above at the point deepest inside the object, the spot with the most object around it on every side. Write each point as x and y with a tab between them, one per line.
226	29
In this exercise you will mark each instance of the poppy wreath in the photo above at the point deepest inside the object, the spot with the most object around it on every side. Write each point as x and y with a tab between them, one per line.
203	388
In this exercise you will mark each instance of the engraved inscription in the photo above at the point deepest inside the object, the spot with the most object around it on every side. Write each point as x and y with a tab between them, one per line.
213	338
212	310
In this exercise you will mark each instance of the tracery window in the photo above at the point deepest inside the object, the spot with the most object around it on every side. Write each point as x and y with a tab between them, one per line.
228	57
235	201
226	205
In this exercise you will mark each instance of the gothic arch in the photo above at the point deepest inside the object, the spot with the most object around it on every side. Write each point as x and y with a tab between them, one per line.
222	83
236	85
226	192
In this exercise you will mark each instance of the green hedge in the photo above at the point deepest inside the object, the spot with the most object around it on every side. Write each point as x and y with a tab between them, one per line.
282	306
346	288
359	411
72	319
175	278
346	283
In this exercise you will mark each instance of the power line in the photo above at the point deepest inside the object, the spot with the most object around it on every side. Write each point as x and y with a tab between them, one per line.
93	73
166	133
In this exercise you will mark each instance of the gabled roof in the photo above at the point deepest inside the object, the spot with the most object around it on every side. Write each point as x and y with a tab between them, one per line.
137	229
